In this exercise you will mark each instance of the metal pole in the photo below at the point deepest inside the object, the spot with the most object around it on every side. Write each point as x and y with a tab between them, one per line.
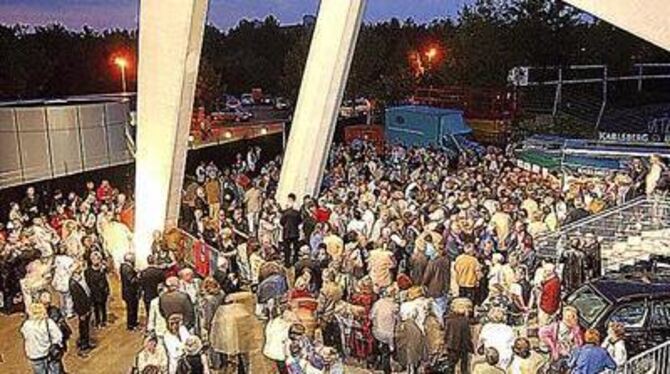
123	78
640	69
604	101
557	97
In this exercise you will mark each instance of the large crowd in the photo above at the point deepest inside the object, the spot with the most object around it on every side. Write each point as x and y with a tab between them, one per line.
406	261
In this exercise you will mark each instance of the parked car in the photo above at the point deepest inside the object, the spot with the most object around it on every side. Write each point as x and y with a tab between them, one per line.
282	103
247	100
354	108
232	115
640	302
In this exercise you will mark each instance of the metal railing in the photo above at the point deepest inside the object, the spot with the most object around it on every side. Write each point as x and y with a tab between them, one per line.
644	218
652	361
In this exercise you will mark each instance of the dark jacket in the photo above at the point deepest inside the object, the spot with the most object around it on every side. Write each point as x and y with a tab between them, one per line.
290	221
437	277
457	335
57	316
175	302
80	299
150	278
98	284
130	282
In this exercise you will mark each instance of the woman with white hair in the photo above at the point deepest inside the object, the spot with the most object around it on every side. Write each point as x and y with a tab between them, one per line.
43	341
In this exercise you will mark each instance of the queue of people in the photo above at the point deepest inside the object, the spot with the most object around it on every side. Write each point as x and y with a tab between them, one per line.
406	261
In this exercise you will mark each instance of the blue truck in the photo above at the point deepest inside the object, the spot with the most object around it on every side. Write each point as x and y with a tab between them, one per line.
417	125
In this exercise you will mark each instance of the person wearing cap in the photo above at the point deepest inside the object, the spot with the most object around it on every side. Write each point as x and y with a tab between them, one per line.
39	334
173	301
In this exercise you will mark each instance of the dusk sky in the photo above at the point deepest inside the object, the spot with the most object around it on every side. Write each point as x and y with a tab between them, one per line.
102	14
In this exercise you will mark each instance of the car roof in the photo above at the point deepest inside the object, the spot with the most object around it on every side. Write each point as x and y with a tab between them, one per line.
619	287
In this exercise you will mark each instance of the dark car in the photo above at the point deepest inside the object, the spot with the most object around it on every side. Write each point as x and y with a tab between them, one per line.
640	302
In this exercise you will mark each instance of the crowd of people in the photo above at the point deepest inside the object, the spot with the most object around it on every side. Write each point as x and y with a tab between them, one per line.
406	261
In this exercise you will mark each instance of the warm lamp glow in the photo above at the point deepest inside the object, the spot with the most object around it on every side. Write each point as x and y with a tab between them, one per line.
228	134
264	131
121	62
431	53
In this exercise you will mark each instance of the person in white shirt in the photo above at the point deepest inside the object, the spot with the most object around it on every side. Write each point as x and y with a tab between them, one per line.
152	354
615	345
39	334
276	337
63	267
155	321
497	334
175	339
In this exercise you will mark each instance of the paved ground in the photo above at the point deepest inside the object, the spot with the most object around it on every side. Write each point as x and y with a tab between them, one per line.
114	355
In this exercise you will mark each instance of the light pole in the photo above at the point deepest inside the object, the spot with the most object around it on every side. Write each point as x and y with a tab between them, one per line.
122	63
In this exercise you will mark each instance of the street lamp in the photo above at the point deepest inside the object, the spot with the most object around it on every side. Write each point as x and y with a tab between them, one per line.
122	63
431	54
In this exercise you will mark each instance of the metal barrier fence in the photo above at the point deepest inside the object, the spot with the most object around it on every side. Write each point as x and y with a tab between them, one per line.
653	361
626	232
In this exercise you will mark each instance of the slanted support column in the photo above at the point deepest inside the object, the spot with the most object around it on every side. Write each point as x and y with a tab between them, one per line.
646	19
321	91
170	42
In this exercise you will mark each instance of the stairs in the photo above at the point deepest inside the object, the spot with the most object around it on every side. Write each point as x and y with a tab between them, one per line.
633	231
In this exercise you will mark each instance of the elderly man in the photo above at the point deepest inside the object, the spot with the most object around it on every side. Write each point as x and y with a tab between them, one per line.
83	307
174	301
130	290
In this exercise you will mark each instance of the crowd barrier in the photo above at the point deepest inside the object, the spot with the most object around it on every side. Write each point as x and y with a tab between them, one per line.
653	361
199	255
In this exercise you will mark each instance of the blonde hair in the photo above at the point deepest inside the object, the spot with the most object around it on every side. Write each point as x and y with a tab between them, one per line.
497	315
37	311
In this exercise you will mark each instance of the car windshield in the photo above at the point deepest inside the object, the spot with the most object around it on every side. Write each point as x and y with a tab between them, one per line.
588	302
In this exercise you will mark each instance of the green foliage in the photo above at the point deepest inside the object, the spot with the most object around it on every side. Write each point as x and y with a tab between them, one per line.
477	48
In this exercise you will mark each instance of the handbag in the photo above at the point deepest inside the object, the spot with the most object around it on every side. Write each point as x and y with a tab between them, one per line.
56	351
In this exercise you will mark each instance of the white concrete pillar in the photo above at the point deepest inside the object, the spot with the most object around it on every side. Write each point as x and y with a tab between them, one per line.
170	41
647	19
323	84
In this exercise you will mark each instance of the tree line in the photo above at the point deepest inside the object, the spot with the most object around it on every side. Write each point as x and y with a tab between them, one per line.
477	47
